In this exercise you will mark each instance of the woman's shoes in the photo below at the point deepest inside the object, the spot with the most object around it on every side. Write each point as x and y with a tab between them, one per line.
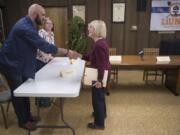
94	126
35	119
30	126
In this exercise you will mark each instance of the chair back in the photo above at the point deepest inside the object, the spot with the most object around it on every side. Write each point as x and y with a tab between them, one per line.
3	83
5	97
112	51
151	51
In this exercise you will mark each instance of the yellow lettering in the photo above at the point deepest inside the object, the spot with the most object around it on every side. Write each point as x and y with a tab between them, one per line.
170	21
177	20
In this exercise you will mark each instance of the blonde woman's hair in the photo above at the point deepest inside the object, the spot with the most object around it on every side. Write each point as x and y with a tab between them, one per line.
100	28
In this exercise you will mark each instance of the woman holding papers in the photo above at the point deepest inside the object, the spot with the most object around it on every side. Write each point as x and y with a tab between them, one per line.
99	58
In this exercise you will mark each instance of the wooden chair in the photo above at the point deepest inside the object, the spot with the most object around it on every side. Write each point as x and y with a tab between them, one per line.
5	97
152	52
114	71
112	51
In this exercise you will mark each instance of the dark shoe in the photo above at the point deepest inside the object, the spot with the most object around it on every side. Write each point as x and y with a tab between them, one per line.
107	93
35	119
94	126
31	126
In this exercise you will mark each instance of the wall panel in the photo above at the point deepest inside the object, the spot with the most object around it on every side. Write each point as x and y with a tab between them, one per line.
130	36
154	39
143	26
119	35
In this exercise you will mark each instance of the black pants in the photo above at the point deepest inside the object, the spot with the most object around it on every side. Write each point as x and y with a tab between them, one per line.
21	104
42	101
99	106
39	64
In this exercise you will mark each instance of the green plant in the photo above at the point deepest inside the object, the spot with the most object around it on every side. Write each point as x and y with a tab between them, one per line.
76	35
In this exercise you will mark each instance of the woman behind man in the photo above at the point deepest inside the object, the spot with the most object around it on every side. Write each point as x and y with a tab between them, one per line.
99	58
47	33
43	58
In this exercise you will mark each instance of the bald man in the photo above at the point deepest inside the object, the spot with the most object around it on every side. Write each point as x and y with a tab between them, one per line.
18	59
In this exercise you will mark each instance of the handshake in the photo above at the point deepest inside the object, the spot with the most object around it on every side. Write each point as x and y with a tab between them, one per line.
73	54
70	53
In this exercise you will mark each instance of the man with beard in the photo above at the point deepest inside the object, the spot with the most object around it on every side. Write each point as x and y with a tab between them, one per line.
18	59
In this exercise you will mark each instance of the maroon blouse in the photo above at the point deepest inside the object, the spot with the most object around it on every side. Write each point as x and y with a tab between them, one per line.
99	57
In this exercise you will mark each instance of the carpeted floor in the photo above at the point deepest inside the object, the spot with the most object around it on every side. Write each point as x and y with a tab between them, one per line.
133	109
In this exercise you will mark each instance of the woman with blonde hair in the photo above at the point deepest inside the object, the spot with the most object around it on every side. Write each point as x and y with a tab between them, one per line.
43	58
46	33
99	58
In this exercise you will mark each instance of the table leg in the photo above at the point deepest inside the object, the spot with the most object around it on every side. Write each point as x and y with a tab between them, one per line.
178	82
116	76
66	125
38	108
61	101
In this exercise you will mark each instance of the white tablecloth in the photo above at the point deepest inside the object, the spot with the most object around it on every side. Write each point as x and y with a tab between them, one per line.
59	78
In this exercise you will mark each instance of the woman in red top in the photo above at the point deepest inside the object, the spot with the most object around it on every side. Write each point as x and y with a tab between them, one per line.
99	59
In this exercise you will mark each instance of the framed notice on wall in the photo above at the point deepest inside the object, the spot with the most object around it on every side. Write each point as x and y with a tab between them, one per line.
79	10
118	12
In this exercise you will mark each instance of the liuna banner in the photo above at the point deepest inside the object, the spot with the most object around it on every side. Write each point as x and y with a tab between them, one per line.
165	15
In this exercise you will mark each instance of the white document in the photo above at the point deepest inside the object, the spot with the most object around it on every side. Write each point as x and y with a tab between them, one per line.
163	59
115	59
91	74
67	72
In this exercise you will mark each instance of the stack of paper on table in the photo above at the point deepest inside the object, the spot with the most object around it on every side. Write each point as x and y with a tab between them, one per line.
72	61
115	59
163	59
91	74
66	72
70	68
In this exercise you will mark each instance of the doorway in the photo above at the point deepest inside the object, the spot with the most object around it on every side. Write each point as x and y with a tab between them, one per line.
59	17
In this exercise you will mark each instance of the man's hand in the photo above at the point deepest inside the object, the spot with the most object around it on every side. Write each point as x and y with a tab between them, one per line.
71	54
74	54
62	51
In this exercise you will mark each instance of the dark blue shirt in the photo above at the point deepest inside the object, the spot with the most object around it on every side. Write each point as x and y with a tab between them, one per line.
18	54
